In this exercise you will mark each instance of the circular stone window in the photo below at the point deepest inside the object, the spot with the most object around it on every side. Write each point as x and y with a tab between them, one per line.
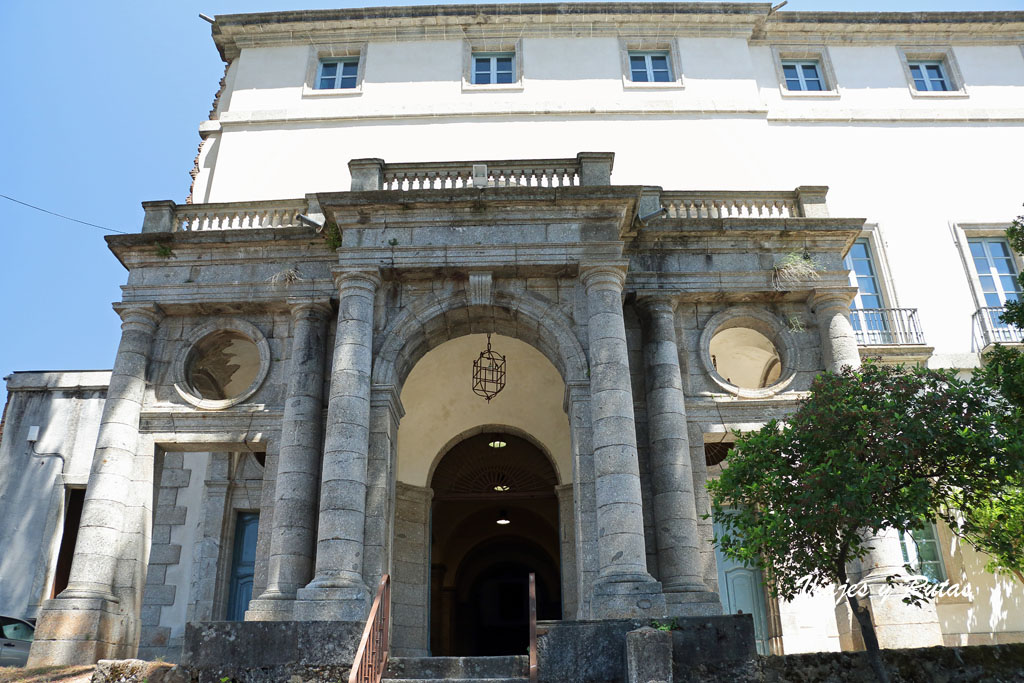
748	352
224	365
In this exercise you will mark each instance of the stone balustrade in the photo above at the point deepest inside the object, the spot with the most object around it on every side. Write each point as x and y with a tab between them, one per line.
731	204
166	216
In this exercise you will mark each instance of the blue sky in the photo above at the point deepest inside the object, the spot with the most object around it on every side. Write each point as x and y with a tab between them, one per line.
101	104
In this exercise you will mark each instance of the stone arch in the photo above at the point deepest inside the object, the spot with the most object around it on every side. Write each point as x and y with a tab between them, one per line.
431	320
497	428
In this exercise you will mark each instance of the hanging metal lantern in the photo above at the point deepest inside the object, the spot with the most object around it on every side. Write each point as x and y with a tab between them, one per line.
488	373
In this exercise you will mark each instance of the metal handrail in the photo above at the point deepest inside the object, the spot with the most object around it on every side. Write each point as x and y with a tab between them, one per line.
988	329
533	628
886	326
372	656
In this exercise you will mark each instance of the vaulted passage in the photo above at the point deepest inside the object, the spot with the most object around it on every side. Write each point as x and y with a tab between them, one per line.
494	520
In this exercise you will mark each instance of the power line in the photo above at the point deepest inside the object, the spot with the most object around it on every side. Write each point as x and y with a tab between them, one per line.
60	215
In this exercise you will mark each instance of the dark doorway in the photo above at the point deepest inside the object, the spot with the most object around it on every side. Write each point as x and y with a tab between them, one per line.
494	521
68	539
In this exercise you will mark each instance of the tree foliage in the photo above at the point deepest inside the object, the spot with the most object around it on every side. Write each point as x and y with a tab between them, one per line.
871	448
997	526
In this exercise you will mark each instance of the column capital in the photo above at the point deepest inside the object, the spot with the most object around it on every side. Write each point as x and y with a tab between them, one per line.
657	301
319	307
574	392
146	313
387	395
830	298
603	275
365	278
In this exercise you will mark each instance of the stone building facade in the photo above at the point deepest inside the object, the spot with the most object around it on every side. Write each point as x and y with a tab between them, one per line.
290	413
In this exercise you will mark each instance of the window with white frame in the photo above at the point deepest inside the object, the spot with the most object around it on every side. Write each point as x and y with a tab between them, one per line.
922	553
803	74
997	273
866	315
932	72
337	73
653	66
929	76
490	68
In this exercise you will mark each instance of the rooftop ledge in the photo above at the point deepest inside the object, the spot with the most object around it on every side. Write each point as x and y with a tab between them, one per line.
232	32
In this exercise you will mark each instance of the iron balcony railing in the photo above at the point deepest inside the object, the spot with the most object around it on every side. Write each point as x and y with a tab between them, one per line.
886	326
988	329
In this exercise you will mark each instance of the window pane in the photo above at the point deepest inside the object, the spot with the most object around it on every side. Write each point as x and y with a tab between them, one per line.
483	77
348	82
1009	283
329	69
661	77
793	84
915	71
810	70
504	77
871	301
999	248
504	63
934	72
987	284
813	85
349	68
640	76
1004	266
789	71
859	250
992	299
977	248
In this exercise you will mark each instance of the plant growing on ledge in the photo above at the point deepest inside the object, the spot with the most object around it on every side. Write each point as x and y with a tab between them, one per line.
794	268
874	448
163	250
332	235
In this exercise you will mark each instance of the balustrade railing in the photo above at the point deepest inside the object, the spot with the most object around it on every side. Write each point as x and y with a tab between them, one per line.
731	204
459	174
238	216
886	326
988	329
372	656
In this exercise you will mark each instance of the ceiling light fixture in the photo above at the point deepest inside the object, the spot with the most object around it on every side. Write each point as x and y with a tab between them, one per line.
497	442
488	373
503	518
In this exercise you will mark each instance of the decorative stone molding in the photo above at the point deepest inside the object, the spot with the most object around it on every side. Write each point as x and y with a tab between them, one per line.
179	371
759	320
479	288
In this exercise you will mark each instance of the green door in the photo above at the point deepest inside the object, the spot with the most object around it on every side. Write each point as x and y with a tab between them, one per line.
243	565
741	590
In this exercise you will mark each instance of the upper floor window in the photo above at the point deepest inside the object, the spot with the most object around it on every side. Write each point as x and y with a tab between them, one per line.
334	74
802	75
804	71
929	76
650	67
997	272
932	72
494	68
921	551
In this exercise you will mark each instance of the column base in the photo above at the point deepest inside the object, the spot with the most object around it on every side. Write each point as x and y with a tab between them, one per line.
272	607
628	597
332	603
897	624
78	631
693	603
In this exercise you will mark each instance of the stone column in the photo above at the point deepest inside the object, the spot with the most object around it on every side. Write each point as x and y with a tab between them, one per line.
577	406
337	592
896	624
567	542
385	412
838	342
83	623
675	513
623	588
293	534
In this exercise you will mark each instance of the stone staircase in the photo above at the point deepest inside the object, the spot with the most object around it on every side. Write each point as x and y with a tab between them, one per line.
510	669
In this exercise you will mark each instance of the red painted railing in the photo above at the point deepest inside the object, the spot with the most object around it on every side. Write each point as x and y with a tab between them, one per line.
372	655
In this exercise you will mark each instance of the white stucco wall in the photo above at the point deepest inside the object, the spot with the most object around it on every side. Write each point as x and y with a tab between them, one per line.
66	406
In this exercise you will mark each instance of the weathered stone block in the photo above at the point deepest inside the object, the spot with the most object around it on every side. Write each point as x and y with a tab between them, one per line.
649	656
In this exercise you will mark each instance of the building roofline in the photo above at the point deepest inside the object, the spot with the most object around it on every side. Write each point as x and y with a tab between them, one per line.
232	32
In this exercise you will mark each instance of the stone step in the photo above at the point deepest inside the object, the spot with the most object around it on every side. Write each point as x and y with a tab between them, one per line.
491	669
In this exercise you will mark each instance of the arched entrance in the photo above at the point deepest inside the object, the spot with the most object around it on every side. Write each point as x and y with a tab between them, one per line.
494	520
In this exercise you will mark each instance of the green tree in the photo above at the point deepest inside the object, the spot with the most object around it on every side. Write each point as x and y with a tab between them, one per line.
997	526
872	448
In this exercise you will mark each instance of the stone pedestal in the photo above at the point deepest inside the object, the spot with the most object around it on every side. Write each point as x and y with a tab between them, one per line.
293	537
679	558
623	588
338	592
88	620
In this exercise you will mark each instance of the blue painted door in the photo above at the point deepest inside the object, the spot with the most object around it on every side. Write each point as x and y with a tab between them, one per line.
741	590
243	565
